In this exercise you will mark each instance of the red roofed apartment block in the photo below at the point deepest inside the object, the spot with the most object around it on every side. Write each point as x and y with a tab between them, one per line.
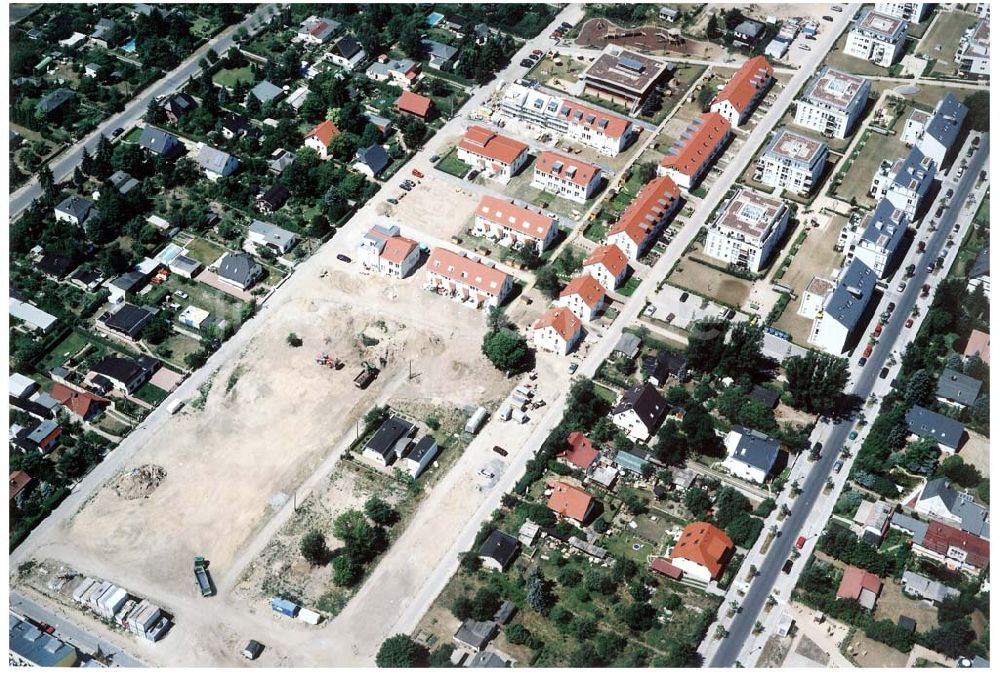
571	503
954	548
467	280
641	223
486	150
702	551
584	296
321	136
581	452
608	264
82	405
860	585
744	91
690	158
512	225
415	104
607	133
566	177
557	331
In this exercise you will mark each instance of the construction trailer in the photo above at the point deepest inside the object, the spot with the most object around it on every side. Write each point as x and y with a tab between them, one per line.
476	421
285	607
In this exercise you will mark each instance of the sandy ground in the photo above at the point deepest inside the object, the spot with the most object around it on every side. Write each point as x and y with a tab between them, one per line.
976	451
871	654
892	603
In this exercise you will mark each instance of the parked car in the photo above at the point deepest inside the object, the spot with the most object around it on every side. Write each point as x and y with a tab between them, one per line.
392	201
827	18
344	258
526	63
837	466
868	350
951	192
853	435
800	542
435	157
861	361
417	173
684	297
900	287
956	228
891	307
921	246
883	373
118	130
909	322
573	367
499	450
805	47
925	290
787	567
837	8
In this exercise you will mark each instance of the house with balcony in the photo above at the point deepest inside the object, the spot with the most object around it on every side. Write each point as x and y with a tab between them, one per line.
747	230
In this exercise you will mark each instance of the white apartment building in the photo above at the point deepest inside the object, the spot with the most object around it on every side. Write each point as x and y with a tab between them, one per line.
608	265
384	250
466	279
833	102
973	53
814	296
494	153
747	230
914	12
792	161
904	183
876	37
557	331
836	327
514	226
878	238
584	296
566	177
934	134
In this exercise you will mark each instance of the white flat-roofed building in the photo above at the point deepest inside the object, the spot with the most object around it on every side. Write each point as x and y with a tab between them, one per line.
512	225
905	183
264	234
566	177
973	54
914	12
792	161
833	102
33	317
838	324
879	237
814	296
876	37
747	230
914	126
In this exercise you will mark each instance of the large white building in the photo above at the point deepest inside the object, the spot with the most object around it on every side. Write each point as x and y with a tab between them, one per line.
512	225
973	53
833	102
750	455
905	183
747	230
876	37
914	12
557	331
566	177
935	133
836	327
877	239
584	296
792	161
384	250
499	155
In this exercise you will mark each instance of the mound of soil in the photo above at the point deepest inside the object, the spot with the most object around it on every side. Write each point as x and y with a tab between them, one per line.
139	482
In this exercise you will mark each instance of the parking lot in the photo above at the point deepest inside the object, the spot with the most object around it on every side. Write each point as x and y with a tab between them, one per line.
668	302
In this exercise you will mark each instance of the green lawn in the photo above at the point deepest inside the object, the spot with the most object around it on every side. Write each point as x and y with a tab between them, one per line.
133	136
946	33
63	350
216	302
605	394
154	395
204	251
450	164
228	77
983	214
630	286
871	150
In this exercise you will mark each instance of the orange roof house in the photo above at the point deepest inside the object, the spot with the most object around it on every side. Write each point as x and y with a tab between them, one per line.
83	404
702	548
415	104
397	248
593	119
583	295
498	216
860	585
487	148
568	169
689	159
462	277
665	567
979	342
645	216
557	322
570	502
321	136
608	264
744	90
19	481
581	452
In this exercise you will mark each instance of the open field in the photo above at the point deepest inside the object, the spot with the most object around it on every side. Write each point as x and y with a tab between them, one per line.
871	654
708	281
230	77
871	150
892	603
942	40
599	32
976	451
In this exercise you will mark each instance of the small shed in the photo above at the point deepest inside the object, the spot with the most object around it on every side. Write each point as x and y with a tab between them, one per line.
285	607
475	421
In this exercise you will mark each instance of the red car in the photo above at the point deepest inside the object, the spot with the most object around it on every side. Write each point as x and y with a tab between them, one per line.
800	542
909	322
868	351
878	329
537	52
417	173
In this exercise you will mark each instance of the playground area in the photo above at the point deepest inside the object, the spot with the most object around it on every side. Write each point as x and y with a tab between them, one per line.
600	32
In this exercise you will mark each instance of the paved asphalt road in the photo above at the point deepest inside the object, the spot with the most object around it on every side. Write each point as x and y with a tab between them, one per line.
729	650
66	162
67	632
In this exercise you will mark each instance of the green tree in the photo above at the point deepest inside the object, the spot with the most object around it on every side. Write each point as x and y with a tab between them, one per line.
921	456
157	331
506	349
706	344
638	616
699	427
538	592
313	548
293	340
517	634
815	381
978	117
919	388
361	541
400	652
697	501
380	511
742	352
547	280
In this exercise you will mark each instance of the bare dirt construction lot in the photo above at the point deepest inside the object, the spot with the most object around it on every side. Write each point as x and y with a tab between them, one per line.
871	654
892	603
654	39
268	421
976	451
708	281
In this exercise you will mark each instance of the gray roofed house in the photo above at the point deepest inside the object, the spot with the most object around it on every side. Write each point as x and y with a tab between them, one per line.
955	388
280	159
216	163
628	345
488	660
127	320
752	454
505	613
748	31
273	199
382	446
234	125
981	268
911	526
158	142
845	307
371	160
438	53
665	363
29	645
266	91
947	432
74	209
268	235
123	181
639	410
127	283
475	635
928	589
499	550
56	265
347	47
940	500
184	266
101	31
635	460
178	105
239	270
943	128
764	395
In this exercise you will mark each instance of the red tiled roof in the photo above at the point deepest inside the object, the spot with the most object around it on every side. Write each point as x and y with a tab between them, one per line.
18	481
745	83
581	452
326	132
591	291
664	566
611	257
416	104
855	581
646	211
521	219
489	144
940	537
462	269
569	501
570	169
704	138
78	402
706	545
599	121
562	320
397	248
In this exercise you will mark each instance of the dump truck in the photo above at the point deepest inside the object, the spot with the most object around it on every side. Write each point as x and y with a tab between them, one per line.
201	575
366	375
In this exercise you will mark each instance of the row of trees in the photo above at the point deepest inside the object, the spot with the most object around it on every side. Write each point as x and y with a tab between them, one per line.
364	536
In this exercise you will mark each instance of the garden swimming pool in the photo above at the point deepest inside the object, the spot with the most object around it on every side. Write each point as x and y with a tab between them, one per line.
434	19
129	46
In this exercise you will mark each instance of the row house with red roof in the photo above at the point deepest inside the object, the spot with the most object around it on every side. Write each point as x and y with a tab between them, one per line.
741	94
320	137
584	296
558	331
641	222
566	177
608	265
384	250
954	548
690	158
495	153
512	225
467	279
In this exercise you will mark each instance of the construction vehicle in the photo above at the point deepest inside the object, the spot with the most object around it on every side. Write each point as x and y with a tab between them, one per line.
332	363
201	575
366	375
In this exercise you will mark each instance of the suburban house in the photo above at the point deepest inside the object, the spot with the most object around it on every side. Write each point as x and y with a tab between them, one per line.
945	431
118	372
486	150
400	72
475	635
957	389
635	461
641	222
415	104
750	454
382	447
239	270
978	344
747	230
639	412
920	586
832	103
512	225
904	183
317	30
273	199
384	250
940	500
666	364
55	266
844	307
765	396
624	77
265	92
690	158
702	552
372	160
123	182
383	124
571	503
608	265
792	161
581	453
584	296
216	163
438	54
30	646
420	455
18	486
876	37
195	318
127	283
557	331
234	125
566	177
877	241
74	209
320	137
20	386
499	550
467	279
861	586
979	274
264	234
346	53
954	548
178	105
42	436
126	321
934	134
872	520
743	91
747	33
32	317
161	143
103	31
80	405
